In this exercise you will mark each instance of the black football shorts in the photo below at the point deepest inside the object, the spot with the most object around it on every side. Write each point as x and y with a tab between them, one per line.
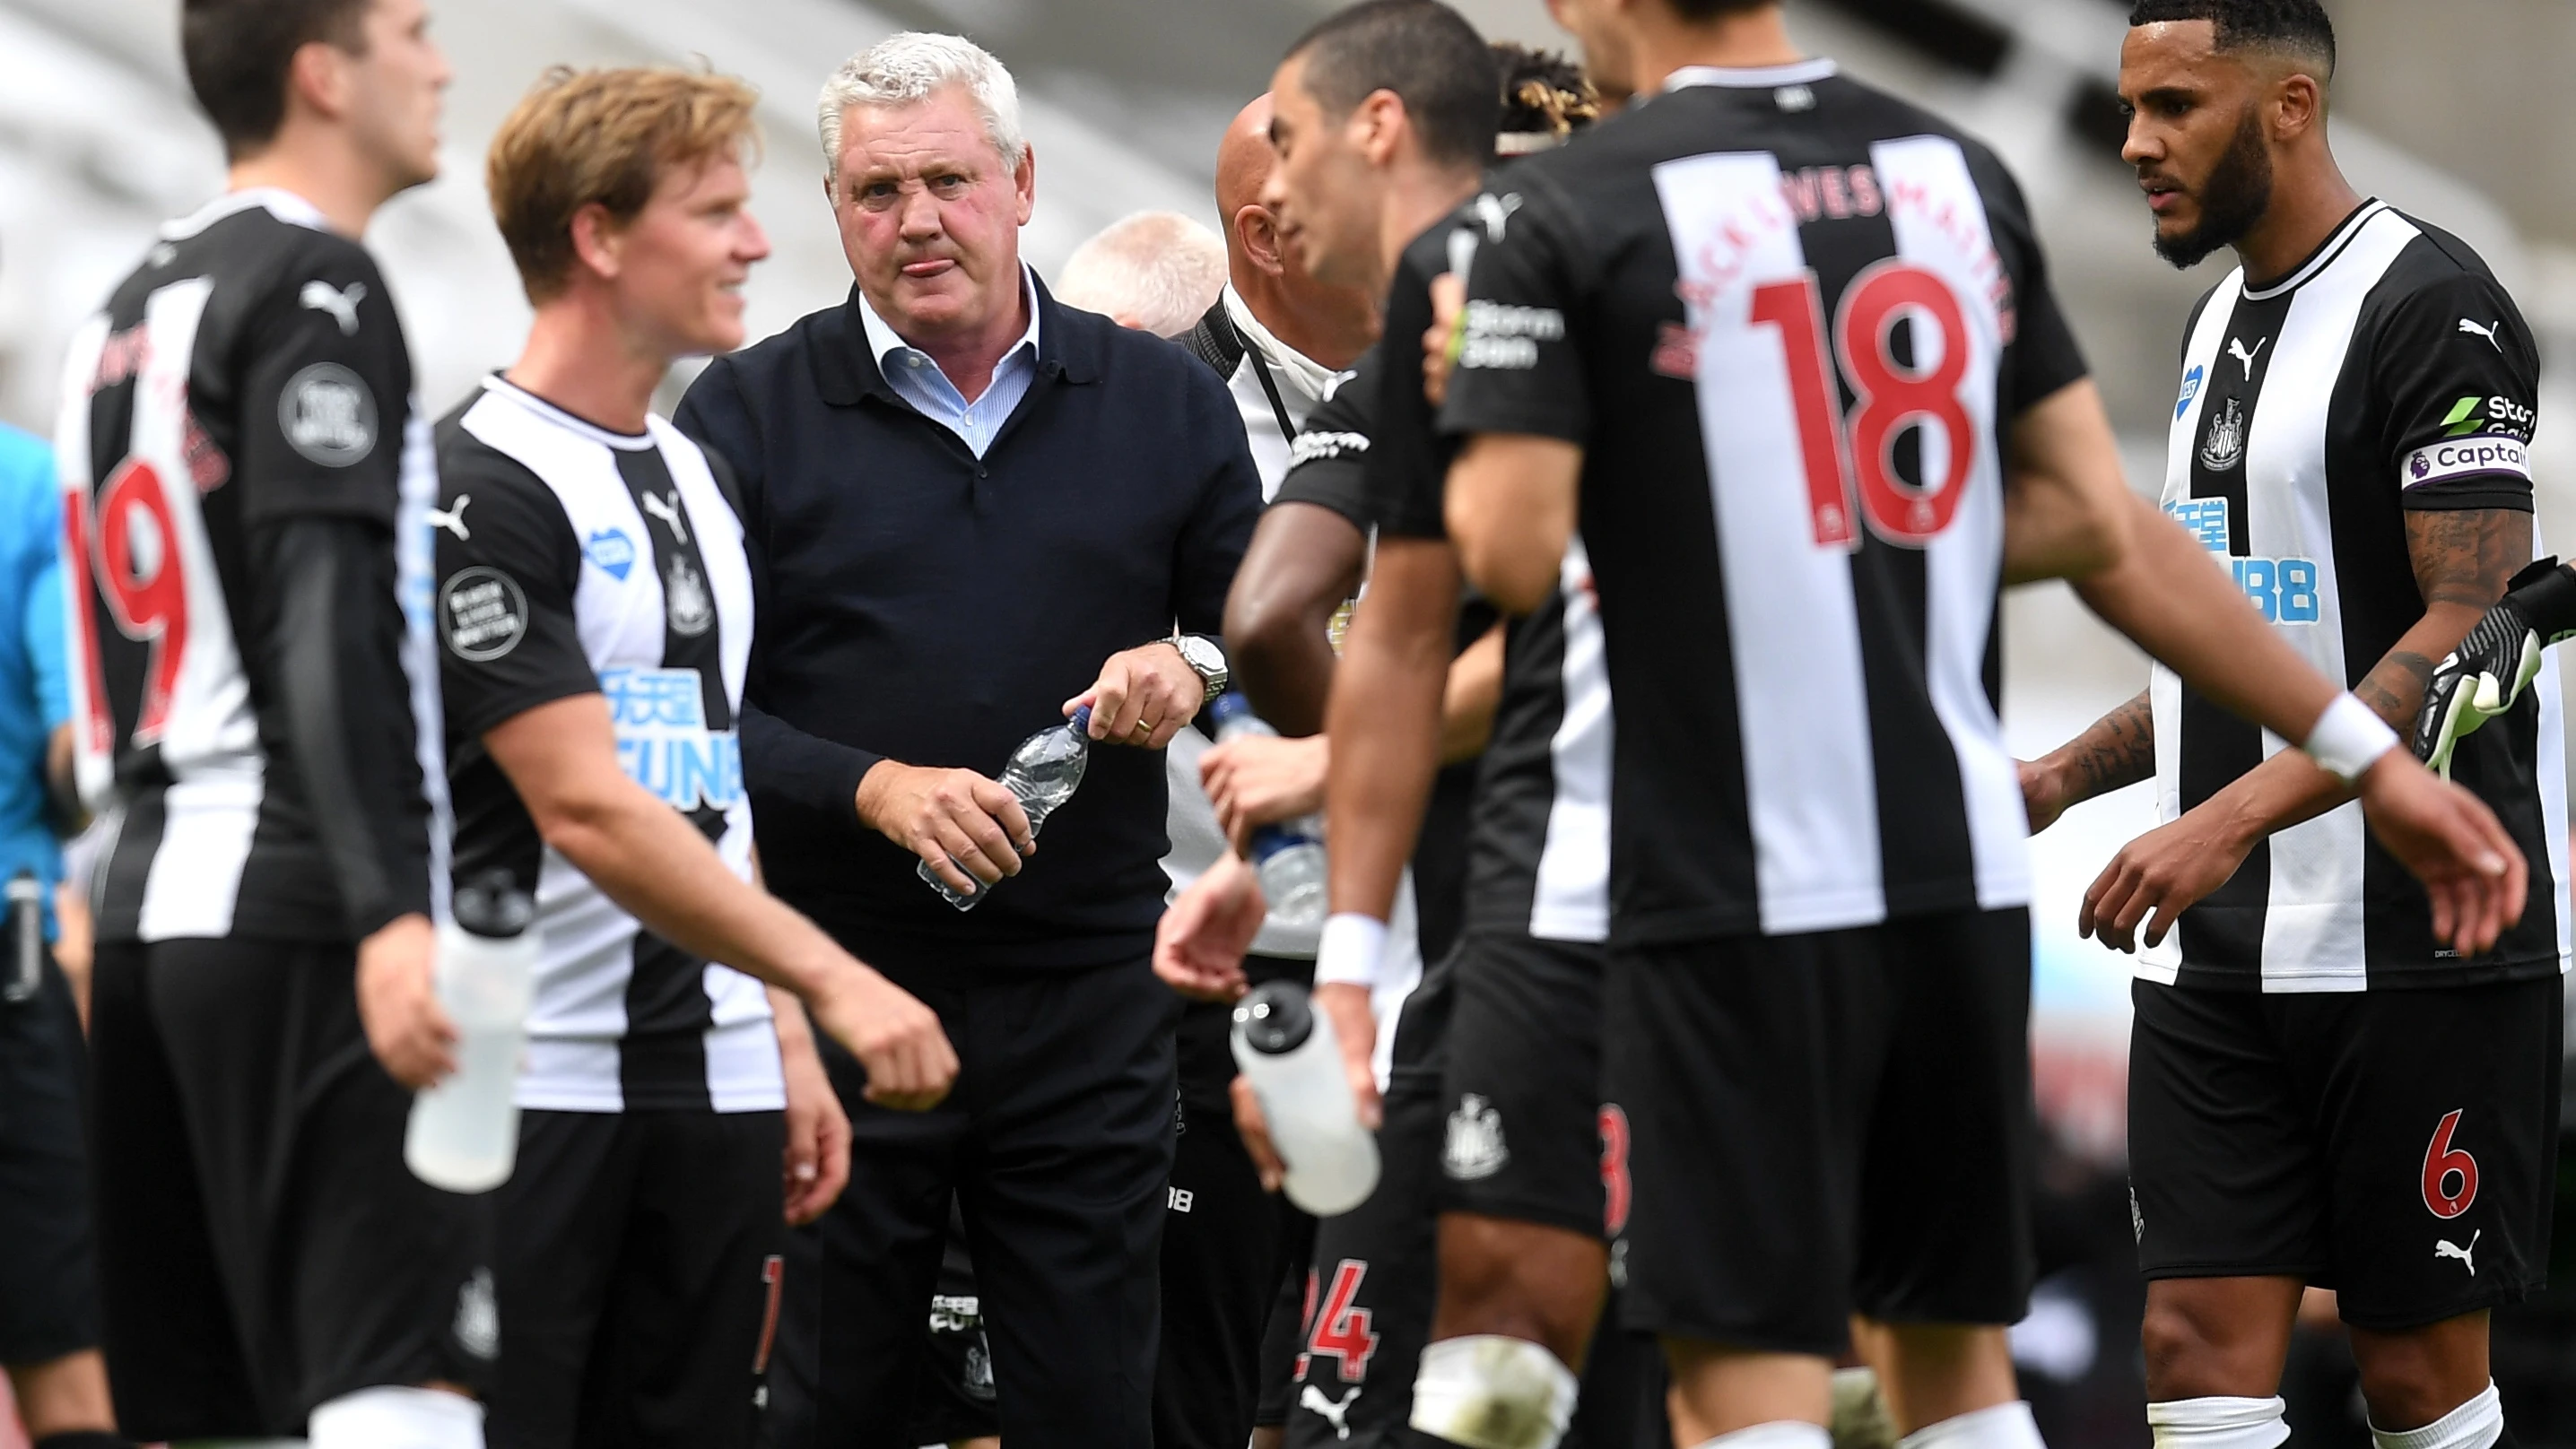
262	1247
1225	1245
1825	1123
954	1396
1528	1136
640	1270
1283	1331
2399	1147
1371	1290
48	1263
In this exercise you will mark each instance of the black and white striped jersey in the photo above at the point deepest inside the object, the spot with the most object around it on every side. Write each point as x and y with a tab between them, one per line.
2388	374
1789	320
574	560
266	743
1538	841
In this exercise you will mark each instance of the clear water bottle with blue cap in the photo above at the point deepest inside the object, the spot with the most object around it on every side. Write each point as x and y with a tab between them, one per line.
1043	772
1289	855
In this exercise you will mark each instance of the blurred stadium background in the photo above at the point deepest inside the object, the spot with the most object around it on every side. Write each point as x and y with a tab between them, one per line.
2443	109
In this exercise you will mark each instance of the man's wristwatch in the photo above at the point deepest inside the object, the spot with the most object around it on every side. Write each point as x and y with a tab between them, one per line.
1206	661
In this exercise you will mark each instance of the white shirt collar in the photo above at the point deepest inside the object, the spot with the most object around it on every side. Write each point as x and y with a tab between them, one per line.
1804	72
1304	373
283	204
883	343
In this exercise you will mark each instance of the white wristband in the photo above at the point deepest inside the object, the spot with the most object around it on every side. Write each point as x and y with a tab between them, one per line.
2349	738
1347	953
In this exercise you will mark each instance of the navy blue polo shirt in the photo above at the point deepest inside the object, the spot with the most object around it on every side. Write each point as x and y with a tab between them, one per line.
917	603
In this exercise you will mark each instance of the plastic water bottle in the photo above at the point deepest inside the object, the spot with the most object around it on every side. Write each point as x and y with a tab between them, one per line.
1287	1050
1044	772
1288	856
464	1132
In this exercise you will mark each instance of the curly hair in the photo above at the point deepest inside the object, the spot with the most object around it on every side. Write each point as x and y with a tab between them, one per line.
1546	98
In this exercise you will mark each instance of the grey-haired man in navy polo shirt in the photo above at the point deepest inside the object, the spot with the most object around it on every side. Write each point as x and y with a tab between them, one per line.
969	510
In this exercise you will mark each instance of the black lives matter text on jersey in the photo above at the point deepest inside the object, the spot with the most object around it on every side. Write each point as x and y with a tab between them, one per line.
249	374
1794	276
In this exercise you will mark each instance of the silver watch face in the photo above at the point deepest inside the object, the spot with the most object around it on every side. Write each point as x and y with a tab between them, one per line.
1205	658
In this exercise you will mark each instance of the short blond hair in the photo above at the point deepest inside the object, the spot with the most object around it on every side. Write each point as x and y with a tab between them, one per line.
603	138
1158	271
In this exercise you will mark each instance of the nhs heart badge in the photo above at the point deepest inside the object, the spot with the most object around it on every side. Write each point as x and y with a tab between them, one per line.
612	551
2190	389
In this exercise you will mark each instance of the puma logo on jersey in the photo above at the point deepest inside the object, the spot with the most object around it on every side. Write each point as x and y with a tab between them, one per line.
667	510
453	519
1494	213
1335	1412
2236	349
2445	1248
2488	331
341	303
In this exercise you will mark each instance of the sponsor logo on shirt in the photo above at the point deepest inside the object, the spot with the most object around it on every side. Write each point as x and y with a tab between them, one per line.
2191	382
663	742
1325	447
2473	414
2283	589
1494	213
453	519
2467	458
482	613
341	303
1336	1412
2236	349
612	551
1504	338
328	415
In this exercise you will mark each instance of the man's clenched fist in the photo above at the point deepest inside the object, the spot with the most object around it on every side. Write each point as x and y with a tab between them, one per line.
960	823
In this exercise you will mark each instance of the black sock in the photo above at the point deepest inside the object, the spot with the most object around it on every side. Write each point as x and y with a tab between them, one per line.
84	1439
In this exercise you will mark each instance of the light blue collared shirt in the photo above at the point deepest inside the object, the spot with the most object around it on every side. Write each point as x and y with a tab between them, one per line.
919	381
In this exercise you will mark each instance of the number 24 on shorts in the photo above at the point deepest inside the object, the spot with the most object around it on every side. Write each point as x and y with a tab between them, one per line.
1339	1329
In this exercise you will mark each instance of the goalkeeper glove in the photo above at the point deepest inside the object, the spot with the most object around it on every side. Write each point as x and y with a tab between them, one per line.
2497	661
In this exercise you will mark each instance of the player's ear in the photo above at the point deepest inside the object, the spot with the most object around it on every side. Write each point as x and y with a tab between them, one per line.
1376	124
2298	106
318	77
597	240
